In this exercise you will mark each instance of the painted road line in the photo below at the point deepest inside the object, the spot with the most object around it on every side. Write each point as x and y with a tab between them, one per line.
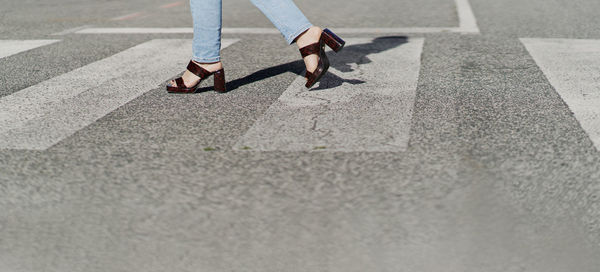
135	30
259	30
71	30
394	30
128	16
362	107
174	4
573	68
467	25
40	116
466	17
169	30
12	47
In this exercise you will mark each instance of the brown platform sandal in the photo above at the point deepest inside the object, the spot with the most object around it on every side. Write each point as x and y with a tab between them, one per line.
327	38
219	80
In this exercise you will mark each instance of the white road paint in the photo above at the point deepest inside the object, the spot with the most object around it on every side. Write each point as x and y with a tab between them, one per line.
395	30
12	47
135	30
466	18
573	68
71	30
467	25
366	106
40	116
259	30
170	30
128	16
171	5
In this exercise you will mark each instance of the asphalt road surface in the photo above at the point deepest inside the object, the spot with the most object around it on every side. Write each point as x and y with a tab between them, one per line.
450	135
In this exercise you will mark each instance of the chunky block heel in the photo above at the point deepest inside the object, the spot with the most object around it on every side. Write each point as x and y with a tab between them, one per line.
219	81
218	77
333	41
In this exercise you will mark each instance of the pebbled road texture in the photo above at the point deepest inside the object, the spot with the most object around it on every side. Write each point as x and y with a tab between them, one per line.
498	175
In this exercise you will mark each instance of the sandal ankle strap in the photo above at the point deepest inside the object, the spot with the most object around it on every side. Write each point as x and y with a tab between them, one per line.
308	74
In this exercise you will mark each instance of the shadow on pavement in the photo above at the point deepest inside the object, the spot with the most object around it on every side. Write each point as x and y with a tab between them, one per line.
352	54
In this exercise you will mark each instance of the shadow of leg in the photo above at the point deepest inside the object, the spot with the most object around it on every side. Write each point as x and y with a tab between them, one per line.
352	54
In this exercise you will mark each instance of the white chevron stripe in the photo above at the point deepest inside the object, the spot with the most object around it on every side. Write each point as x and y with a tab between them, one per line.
42	115
365	107
573	68
12	47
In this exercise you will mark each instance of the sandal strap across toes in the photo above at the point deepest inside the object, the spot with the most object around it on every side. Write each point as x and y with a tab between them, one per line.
219	80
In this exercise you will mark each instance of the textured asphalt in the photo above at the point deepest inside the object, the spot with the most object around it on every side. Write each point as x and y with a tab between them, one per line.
498	174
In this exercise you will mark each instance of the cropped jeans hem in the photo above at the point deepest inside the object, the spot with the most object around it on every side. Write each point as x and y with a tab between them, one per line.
206	60
208	21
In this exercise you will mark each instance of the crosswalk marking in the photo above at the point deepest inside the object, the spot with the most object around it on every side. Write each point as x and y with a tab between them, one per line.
366	106
12	47
40	116
573	68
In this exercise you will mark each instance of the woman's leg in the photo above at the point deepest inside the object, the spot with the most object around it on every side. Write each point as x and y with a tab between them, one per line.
206	46
207	17
292	24
286	16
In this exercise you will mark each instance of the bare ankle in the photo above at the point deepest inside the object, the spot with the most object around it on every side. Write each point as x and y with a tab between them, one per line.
212	66
309	36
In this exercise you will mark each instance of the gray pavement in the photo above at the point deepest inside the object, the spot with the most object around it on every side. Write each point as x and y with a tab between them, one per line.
496	172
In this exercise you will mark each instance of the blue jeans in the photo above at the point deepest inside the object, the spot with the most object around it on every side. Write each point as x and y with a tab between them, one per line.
207	16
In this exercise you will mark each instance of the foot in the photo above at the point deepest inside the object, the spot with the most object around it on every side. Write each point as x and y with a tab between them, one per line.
190	79
312	35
